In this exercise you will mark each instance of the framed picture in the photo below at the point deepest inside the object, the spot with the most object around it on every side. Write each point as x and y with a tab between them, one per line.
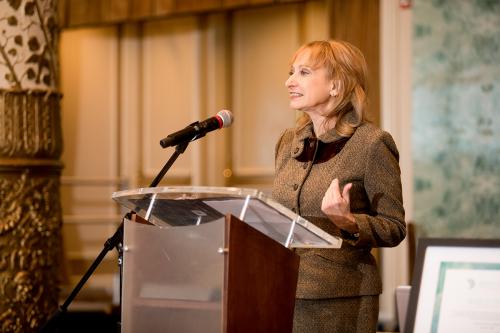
455	287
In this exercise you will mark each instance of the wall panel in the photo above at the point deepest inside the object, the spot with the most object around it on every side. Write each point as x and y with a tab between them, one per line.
170	90
90	129
215	95
395	118
456	131
358	22
89	71
260	98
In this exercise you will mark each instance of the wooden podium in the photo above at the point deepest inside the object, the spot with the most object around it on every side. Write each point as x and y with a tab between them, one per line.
191	266
261	281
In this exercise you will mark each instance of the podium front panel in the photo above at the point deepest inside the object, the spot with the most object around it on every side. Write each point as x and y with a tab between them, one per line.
173	278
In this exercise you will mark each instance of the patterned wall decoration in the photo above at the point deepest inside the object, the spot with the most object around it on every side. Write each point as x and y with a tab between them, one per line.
456	117
30	148
29	250
28	42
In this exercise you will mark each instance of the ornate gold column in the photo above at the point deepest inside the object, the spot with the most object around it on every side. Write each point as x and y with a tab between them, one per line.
30	148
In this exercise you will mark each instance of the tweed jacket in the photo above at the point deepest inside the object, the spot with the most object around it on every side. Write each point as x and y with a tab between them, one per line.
305	167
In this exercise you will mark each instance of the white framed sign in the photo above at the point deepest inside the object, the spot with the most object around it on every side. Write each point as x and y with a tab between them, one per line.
455	287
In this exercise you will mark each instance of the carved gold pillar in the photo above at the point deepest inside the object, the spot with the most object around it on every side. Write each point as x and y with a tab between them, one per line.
30	148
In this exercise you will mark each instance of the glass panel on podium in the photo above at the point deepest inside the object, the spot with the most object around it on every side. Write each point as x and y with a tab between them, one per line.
173	271
192	206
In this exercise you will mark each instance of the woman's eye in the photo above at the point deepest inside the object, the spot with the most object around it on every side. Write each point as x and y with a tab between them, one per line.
304	72
290	73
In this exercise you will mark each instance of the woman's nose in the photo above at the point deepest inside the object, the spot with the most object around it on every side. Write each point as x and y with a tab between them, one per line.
290	81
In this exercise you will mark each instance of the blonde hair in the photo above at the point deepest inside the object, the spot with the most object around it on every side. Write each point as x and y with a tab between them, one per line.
346	66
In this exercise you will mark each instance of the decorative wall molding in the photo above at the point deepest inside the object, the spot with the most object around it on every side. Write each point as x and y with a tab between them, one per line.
30	124
77	13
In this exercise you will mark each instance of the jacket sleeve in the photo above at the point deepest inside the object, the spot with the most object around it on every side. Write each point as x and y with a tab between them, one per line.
385	225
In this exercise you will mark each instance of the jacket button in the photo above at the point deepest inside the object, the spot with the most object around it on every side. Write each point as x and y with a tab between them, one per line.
304	166
295	187
294	210
296	150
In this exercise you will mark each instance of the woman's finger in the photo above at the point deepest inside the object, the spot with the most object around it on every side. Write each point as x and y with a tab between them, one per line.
345	193
335	189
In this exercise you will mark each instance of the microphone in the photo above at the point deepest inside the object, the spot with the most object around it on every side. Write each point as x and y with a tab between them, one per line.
196	130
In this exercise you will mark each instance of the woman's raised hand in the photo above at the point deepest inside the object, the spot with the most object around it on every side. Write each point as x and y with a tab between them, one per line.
336	206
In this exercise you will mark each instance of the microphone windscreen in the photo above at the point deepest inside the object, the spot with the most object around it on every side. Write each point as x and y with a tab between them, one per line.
226	116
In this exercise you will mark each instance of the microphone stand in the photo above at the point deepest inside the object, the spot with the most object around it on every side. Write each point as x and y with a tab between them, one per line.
115	241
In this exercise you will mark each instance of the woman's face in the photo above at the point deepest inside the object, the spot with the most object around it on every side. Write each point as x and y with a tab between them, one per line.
309	88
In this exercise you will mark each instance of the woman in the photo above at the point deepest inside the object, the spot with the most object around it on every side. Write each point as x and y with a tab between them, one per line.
342	174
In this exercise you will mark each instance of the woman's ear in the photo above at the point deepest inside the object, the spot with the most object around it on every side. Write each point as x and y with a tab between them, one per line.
335	88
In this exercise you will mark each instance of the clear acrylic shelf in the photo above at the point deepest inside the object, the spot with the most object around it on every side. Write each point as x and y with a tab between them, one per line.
181	206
